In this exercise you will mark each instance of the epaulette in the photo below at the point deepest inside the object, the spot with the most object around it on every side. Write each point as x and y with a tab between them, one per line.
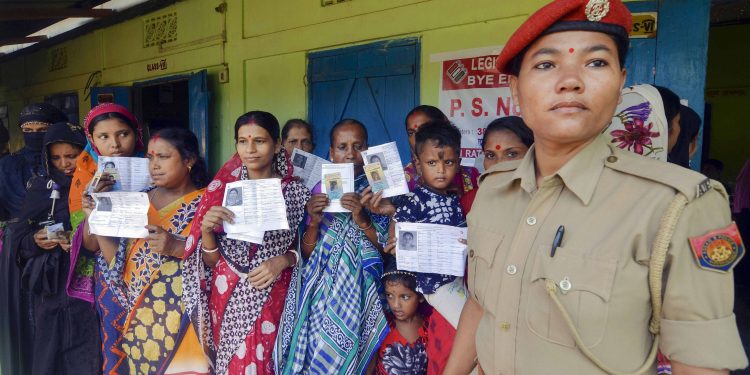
688	182
502	167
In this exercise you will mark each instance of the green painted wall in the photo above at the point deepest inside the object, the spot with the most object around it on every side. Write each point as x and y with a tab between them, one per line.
264	44
728	92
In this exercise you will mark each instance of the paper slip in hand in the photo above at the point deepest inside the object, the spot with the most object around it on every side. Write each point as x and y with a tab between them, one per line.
376	177
430	248
247	237
258	206
337	180
307	167
56	232
130	174
393	171
120	214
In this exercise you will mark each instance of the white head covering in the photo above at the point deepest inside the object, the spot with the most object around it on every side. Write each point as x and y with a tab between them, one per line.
640	124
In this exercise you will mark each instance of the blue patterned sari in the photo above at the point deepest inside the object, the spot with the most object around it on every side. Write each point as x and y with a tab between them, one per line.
333	321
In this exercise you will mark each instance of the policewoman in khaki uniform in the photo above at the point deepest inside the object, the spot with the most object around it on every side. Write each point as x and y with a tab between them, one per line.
584	258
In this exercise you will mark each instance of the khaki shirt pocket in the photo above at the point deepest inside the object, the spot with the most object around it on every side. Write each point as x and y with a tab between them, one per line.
584	289
483	246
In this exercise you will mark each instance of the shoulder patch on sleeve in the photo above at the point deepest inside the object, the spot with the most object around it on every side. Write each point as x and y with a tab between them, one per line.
688	182
719	250
507	166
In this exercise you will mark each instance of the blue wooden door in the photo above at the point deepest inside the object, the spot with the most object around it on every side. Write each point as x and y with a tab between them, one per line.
199	98
377	84
641	60
111	94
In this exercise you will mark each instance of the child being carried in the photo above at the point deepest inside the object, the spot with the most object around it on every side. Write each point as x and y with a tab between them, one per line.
437	149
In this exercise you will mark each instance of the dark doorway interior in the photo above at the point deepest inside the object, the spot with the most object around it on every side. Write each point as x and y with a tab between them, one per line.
163	105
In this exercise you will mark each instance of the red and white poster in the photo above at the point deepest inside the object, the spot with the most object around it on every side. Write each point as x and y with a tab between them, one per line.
473	94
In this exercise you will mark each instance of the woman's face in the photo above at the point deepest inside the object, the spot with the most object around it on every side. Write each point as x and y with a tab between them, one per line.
413	123
348	144
34	127
256	147
167	168
113	137
502	145
233	195
63	157
568	86
298	137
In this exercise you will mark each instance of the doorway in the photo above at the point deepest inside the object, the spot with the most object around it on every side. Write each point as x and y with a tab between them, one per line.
725	127
162	105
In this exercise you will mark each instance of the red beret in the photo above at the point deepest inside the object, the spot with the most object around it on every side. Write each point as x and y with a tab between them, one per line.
607	16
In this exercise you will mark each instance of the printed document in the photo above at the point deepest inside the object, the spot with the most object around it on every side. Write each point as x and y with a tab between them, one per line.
307	167
390	162
338	179
430	248
130	174
258	206
120	214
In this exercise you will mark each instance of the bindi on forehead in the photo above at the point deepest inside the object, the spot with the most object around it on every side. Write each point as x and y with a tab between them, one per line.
498	147
571	50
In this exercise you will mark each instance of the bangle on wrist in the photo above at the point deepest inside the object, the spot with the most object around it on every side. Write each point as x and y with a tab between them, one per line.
305	242
209	251
365	228
296	257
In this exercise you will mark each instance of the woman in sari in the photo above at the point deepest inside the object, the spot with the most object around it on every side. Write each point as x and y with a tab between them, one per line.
333	320
112	130
143	276
234	289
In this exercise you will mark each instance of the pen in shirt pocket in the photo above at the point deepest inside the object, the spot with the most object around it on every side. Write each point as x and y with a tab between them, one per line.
557	241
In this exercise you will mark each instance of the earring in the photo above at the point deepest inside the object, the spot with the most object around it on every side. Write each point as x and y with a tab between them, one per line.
190	168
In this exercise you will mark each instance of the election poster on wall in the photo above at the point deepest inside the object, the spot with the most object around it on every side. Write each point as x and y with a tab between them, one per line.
472	94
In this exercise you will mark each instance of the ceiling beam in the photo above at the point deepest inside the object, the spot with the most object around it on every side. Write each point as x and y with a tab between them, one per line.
25	14
22	40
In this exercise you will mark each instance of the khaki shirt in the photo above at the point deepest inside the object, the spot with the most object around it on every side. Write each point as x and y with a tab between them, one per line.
610	202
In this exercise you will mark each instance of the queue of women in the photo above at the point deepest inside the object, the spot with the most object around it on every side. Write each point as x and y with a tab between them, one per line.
326	296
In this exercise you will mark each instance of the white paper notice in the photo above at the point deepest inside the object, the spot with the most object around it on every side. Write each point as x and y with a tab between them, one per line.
338	179
307	167
430	248
120	214
258	206
130	174
388	157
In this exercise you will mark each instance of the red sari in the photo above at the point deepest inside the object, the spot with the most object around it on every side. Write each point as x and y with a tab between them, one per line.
237	323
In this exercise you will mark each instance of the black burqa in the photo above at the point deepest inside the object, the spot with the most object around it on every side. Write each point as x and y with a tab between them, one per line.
16	170
66	335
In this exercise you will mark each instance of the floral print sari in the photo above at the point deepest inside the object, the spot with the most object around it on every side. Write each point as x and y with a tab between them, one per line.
139	298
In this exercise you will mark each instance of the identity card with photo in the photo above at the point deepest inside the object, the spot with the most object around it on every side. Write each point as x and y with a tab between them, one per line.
337	180
393	171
